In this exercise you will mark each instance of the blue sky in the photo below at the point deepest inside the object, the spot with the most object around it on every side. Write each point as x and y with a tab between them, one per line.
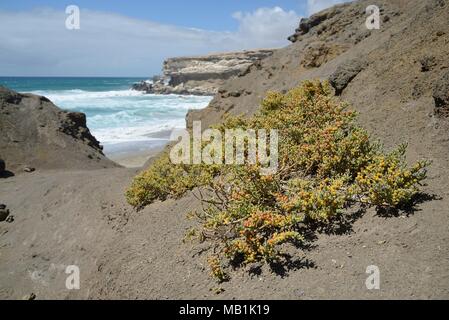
132	38
209	15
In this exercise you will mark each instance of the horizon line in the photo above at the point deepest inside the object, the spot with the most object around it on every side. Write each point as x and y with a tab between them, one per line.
75	77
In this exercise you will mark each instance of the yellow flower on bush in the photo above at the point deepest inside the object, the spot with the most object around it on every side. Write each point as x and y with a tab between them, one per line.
326	164
216	268
387	181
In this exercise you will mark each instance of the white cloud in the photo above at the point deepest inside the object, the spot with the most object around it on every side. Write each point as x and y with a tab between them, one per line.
267	26
313	6
37	42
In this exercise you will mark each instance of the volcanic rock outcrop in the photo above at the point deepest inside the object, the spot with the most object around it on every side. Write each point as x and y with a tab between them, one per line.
36	133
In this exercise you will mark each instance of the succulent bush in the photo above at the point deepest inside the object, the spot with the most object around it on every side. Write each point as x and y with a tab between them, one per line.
326	164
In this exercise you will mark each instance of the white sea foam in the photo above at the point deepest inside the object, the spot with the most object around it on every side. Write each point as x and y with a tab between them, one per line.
127	115
75	94
137	132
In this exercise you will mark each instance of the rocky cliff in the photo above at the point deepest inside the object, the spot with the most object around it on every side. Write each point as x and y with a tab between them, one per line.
402	66
201	75
34	133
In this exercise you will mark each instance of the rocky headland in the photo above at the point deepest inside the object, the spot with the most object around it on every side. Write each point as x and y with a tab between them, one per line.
201	75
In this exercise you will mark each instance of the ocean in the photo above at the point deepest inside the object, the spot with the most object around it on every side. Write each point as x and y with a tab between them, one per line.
120	118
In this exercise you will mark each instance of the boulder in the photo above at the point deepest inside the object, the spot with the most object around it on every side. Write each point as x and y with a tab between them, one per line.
29	169
4	213
144	86
345	73
2	166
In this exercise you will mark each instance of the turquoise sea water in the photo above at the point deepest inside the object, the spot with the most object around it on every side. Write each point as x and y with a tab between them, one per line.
115	114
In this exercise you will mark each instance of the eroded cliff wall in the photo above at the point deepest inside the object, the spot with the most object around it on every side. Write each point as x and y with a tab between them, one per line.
202	75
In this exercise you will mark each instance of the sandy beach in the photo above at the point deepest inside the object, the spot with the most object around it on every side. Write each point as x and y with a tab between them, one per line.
134	154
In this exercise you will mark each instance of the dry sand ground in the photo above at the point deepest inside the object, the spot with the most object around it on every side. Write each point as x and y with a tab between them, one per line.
81	217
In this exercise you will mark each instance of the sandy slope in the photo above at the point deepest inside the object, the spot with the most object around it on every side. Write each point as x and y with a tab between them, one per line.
80	217
60	219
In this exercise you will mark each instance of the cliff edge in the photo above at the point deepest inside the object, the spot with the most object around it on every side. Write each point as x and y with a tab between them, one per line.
201	75
34	133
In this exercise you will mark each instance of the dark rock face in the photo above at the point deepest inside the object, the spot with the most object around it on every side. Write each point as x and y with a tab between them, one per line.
36	133
74	124
4	213
7	96
144	86
345	73
441	94
306	24
2	166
